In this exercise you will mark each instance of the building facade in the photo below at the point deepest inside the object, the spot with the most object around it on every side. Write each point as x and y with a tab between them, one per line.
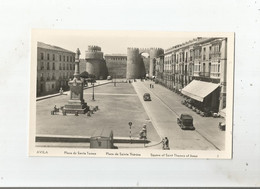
202	59
55	66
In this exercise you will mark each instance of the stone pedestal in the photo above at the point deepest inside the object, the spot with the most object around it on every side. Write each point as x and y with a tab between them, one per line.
76	101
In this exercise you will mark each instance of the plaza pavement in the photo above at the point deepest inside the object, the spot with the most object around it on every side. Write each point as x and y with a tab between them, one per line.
117	107
163	111
121	104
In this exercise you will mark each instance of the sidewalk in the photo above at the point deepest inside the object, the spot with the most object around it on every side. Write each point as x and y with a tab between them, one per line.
98	83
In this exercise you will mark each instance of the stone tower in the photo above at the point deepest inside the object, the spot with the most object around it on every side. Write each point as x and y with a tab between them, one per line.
154	53
95	63
133	63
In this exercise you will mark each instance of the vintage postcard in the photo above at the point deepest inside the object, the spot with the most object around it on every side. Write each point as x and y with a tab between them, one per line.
133	94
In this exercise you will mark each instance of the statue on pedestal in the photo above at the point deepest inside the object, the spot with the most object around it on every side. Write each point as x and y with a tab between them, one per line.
76	102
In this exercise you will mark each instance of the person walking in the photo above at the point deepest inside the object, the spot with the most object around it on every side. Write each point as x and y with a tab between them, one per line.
165	142
143	133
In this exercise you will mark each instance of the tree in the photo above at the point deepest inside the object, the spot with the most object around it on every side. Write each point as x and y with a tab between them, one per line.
84	75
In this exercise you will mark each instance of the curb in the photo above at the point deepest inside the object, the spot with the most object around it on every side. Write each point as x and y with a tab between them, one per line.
83	139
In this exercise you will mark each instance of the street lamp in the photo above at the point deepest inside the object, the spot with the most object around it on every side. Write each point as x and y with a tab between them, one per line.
93	97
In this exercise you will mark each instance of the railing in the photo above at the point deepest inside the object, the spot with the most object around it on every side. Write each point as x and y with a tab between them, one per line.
198	57
204	74
215	54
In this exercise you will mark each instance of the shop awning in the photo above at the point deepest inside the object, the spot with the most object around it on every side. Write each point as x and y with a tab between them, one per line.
198	90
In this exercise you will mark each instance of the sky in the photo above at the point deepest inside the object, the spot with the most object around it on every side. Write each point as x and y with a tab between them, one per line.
111	42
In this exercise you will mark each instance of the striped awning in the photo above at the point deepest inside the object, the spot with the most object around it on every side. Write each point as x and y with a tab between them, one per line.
198	90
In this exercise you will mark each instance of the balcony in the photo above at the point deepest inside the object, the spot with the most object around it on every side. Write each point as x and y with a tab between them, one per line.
215	54
198	57
204	74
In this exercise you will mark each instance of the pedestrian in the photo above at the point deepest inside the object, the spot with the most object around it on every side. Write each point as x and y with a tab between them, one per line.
165	142
61	91
143	133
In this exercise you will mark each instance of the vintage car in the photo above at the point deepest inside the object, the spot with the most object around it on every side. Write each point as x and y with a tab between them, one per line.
222	126
185	121
147	97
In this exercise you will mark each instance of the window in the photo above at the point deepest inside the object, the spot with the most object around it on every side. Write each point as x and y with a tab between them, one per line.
63	66
60	57
41	56
53	66
218	67
64	58
67	58
48	65
53	57
217	48
70	66
71	59
48	56
60	66
42	66
67	66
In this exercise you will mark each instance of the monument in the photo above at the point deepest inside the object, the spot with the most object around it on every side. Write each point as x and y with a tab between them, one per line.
76	104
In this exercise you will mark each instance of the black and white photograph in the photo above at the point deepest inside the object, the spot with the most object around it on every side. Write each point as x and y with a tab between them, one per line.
132	94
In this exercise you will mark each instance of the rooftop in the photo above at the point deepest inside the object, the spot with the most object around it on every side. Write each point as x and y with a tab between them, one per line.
52	47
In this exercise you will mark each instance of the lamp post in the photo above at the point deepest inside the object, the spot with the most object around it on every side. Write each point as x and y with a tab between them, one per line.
130	132
93	97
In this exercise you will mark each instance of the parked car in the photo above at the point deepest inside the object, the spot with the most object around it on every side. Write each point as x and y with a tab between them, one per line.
222	126
185	121
109	77
147	97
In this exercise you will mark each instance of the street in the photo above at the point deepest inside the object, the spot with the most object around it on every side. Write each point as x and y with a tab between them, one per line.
163	111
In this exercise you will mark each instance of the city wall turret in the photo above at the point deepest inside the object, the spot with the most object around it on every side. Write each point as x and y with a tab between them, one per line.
95	63
154	52
133	63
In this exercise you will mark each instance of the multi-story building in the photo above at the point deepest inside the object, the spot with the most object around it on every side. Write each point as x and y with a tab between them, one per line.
200	59
55	66
116	65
